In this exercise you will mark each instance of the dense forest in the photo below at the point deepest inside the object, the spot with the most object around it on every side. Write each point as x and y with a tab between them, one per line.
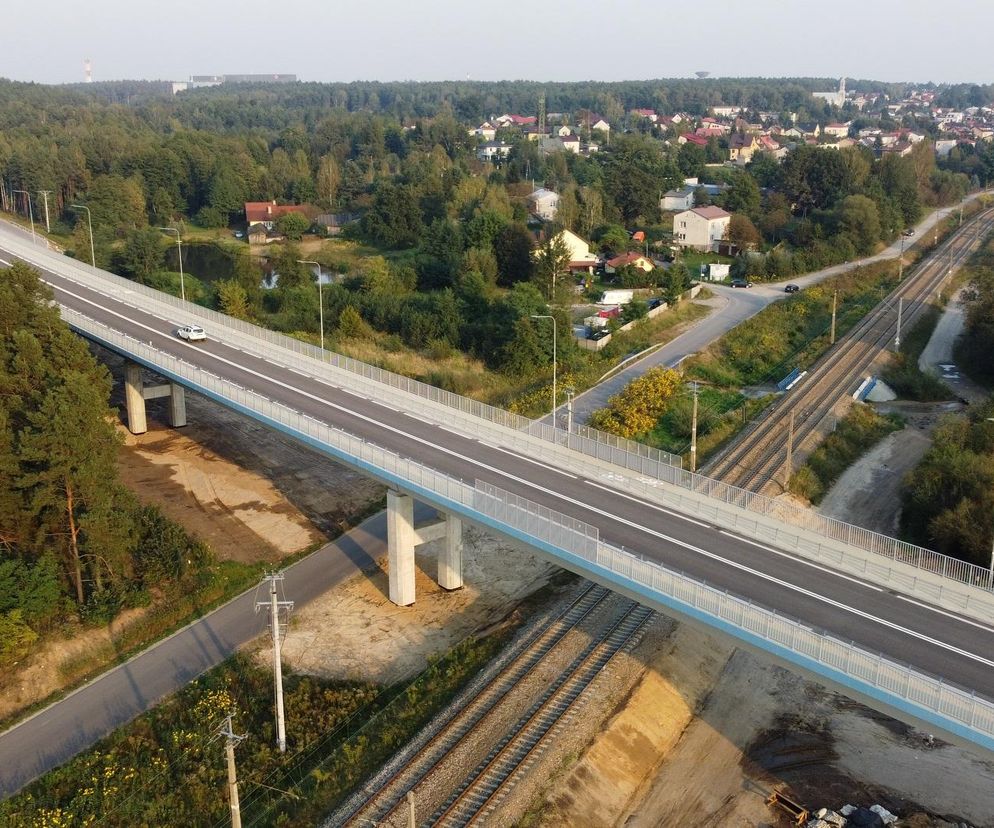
74	543
461	267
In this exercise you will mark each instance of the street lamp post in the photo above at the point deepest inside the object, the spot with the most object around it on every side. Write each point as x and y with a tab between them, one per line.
554	338
89	224
320	297
179	252
31	215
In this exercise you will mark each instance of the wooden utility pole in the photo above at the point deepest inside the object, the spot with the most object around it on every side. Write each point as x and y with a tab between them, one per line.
835	298
411	820
693	434
789	462
229	751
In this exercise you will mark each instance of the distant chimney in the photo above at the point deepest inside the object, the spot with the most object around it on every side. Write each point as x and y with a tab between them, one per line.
87	71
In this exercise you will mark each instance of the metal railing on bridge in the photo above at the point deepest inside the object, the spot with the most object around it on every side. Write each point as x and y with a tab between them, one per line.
925	697
652	466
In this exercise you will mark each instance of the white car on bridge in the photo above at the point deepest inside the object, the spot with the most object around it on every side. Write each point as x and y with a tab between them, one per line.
191	333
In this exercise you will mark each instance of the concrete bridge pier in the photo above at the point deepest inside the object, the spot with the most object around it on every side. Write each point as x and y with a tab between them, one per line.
135	394
403	537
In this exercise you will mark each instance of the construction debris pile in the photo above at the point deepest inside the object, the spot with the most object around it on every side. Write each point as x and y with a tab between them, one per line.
850	816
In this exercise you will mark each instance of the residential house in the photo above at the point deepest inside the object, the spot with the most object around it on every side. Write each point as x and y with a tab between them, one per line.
741	148
267	213
682	199
487	131
628	260
563	131
258	234
334	222
533	133
768	144
649	114
837	130
688	138
581	259
600	124
944	146
726	111
899	148
811	130
555	143
493	151
509	120
700	227
543	203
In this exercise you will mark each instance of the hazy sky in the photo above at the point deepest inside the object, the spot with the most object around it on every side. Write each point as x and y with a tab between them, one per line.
333	40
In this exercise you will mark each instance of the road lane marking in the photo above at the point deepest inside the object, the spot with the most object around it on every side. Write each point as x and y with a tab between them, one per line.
528	459
638	527
647	503
801	560
952	615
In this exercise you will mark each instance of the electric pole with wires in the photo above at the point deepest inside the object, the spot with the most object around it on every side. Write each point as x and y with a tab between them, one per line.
230	740
277	629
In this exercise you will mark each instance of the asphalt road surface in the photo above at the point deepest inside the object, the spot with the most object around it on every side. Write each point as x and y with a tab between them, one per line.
935	641
60	731
732	307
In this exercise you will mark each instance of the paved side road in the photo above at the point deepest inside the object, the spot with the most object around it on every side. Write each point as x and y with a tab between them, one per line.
67	727
733	306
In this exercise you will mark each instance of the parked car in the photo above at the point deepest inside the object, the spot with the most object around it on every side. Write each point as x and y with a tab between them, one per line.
791	288
191	333
600	333
741	283
654	303
910	231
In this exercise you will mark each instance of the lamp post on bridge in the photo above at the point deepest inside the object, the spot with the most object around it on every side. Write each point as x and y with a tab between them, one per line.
89	224
320	297
554	338
179	251
31	215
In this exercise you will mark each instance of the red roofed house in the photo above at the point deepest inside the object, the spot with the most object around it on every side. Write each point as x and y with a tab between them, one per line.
687	138
701	228
628	259
645	113
266	213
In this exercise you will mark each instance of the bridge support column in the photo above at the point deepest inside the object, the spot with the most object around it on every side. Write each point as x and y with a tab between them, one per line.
403	537
135	394
134	401
450	556
177	405
400	545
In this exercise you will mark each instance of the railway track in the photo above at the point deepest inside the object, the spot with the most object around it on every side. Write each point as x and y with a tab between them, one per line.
528	655
755	460
483	788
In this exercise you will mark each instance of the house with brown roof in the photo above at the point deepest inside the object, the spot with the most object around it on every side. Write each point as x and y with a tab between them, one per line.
700	227
267	213
741	148
628	260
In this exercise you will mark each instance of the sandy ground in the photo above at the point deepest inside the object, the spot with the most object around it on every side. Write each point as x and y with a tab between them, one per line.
239	514
354	632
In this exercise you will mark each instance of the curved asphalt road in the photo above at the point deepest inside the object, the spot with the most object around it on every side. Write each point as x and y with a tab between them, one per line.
733	306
